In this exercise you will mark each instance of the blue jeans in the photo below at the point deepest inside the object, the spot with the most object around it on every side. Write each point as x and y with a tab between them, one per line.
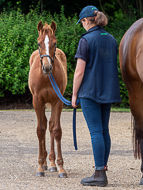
97	118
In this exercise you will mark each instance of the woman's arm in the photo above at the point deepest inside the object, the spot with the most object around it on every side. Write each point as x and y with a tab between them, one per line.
78	76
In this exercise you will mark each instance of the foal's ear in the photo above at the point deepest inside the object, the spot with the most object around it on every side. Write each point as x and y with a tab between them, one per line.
40	26
53	26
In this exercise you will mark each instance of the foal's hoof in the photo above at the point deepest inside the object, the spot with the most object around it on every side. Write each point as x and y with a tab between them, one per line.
141	182
53	169
40	174
45	167
62	175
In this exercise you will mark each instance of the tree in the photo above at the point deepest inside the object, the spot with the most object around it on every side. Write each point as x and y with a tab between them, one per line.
41	6
134	7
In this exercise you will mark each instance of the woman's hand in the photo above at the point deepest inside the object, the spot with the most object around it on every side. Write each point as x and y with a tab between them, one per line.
74	98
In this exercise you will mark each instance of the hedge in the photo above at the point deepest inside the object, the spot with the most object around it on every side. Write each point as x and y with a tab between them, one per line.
19	39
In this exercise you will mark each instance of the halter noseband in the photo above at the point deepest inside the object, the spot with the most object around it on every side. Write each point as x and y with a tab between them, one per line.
41	56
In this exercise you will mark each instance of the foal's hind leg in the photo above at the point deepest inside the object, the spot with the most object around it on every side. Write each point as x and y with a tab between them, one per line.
57	132
52	156
41	131
45	153
141	144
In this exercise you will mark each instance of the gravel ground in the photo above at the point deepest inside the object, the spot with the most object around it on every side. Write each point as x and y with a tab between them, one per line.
19	153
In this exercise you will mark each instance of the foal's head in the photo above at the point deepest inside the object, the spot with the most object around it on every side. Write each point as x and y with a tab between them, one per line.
47	45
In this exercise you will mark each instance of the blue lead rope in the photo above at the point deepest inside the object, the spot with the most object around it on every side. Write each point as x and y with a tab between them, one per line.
67	102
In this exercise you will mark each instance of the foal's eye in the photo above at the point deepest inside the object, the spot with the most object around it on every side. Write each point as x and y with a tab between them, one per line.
39	44
55	44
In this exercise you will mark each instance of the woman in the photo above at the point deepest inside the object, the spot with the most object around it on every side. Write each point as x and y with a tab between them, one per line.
96	83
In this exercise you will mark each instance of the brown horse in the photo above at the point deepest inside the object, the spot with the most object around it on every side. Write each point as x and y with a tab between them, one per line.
131	63
42	62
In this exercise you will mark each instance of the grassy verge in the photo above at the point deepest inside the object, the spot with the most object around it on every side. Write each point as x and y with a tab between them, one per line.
120	110
70	110
112	110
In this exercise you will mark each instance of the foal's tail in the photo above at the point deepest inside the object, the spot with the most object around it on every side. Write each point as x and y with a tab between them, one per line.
137	137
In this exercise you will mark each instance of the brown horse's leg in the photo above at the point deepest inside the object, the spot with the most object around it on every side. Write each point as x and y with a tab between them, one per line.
137	111
41	131
57	132
141	144
52	157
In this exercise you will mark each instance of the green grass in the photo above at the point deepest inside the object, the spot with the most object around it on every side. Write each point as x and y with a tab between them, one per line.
112	110
70	110
120	110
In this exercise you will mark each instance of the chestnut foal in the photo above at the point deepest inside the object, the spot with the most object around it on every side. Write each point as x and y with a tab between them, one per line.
42	62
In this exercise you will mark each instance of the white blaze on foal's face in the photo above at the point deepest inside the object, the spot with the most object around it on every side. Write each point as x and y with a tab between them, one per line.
47	46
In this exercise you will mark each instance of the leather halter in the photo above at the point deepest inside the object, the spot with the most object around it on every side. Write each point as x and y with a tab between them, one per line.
41	56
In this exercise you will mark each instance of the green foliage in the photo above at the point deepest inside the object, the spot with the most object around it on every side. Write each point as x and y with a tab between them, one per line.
68	35
117	28
19	39
17	42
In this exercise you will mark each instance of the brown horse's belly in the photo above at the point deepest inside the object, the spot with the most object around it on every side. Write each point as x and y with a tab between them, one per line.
131	53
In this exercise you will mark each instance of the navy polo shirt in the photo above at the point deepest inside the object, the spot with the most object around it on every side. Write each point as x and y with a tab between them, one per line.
100	82
83	50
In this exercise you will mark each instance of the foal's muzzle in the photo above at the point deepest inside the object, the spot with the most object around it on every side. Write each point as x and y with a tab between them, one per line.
47	69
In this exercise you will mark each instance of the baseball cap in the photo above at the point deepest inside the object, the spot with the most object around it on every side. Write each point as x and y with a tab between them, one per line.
87	11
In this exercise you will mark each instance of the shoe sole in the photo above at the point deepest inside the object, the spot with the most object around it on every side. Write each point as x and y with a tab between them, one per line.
100	184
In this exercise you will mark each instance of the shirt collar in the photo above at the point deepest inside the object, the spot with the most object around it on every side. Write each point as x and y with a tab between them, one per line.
92	29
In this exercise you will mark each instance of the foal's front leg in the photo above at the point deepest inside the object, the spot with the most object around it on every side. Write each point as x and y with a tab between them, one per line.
41	131
57	132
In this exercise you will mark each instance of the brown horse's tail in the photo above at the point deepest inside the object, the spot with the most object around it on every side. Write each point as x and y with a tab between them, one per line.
137	136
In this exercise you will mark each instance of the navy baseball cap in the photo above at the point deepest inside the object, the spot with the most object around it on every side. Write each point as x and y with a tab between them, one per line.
87	11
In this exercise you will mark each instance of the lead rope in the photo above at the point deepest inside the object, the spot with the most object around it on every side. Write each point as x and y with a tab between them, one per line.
67	102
